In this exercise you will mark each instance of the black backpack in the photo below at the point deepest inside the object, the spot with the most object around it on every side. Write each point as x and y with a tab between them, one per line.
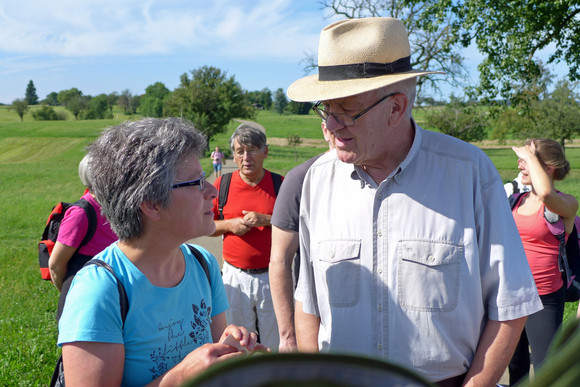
225	189
50	234
57	379
569	252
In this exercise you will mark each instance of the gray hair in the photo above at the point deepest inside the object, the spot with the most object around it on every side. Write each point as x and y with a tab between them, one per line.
407	87
85	171
248	135
135	162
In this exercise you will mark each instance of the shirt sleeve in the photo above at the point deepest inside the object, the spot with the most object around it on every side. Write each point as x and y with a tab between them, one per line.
91	311
74	227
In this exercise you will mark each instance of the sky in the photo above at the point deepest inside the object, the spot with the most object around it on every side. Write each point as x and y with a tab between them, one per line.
102	46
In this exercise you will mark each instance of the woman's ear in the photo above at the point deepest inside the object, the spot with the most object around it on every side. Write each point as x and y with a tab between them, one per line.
150	210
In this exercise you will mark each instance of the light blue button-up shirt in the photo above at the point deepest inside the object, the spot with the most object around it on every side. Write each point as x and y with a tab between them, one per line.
411	270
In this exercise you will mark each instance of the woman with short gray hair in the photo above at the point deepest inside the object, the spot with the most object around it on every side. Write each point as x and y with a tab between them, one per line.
149	181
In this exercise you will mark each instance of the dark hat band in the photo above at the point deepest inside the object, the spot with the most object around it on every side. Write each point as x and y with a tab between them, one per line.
363	70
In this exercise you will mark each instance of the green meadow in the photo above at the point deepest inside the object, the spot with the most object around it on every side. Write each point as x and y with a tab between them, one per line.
38	168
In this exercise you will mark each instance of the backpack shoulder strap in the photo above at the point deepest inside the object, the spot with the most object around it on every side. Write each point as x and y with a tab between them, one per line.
513	199
123	300
277	180
200	258
223	194
516	186
91	216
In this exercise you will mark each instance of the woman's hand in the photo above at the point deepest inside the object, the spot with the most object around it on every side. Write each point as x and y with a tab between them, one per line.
247	339
526	152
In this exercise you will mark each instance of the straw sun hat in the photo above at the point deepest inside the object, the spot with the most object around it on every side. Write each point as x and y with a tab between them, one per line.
356	56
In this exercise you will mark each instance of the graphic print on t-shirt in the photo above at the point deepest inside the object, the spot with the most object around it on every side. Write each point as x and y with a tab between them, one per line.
179	338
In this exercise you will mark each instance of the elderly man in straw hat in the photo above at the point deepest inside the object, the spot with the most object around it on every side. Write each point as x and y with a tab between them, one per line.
409	251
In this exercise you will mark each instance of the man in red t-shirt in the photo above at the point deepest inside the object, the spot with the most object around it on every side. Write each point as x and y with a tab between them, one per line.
247	236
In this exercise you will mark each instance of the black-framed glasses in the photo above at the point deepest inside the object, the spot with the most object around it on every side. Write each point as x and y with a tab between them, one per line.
345	119
199	182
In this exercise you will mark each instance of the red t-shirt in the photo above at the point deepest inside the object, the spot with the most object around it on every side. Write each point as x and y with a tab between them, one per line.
251	250
542	249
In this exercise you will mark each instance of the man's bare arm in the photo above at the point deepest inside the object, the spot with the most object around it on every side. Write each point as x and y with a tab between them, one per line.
494	351
236	226
284	246
307	326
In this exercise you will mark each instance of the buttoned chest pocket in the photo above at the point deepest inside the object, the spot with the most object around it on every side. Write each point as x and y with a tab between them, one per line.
339	264
428	275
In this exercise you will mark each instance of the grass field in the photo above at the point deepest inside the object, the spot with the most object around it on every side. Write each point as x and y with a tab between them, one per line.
38	167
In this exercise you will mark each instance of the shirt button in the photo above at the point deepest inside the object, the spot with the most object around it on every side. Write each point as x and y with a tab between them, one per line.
380	270
380	233
431	258
379	346
379	308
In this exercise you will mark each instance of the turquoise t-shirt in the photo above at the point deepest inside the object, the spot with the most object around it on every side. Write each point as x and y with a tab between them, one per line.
162	326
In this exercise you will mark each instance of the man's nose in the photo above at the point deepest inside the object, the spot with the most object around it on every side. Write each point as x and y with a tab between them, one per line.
333	124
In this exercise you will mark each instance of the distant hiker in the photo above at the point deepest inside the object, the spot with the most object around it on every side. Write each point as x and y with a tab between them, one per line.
218	159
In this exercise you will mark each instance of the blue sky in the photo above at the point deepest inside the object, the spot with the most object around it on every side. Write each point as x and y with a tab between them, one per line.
101	46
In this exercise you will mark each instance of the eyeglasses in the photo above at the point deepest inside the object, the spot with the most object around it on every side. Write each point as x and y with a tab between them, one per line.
199	182
345	119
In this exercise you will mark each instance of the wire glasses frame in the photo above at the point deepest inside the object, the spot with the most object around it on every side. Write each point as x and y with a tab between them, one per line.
199	182
345	119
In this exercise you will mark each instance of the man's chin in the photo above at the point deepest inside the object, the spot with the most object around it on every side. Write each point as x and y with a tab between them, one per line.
346	156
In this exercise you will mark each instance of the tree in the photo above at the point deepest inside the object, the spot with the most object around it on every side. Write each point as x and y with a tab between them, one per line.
98	108
558	117
209	99
466	123
30	96
509	33
112	101
434	44
73	100
152	102
51	99
280	101
301	108
20	106
124	100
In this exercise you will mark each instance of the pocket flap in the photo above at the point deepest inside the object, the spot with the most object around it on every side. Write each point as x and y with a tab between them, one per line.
338	250
429	253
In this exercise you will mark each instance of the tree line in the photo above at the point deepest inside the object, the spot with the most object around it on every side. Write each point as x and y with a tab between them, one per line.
207	96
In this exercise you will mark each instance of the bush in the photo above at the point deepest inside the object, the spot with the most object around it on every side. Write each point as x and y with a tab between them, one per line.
47	113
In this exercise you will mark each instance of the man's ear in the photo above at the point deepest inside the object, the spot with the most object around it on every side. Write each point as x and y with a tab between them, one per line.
150	210
398	105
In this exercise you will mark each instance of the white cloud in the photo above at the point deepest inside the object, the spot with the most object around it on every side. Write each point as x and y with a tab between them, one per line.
90	28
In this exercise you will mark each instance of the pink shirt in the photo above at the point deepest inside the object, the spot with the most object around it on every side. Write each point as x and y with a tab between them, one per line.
542	249
75	225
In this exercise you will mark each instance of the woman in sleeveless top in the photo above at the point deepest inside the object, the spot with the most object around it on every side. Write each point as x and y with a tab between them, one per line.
541	161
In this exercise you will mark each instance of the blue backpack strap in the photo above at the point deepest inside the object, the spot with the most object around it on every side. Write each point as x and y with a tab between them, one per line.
200	258
123	299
